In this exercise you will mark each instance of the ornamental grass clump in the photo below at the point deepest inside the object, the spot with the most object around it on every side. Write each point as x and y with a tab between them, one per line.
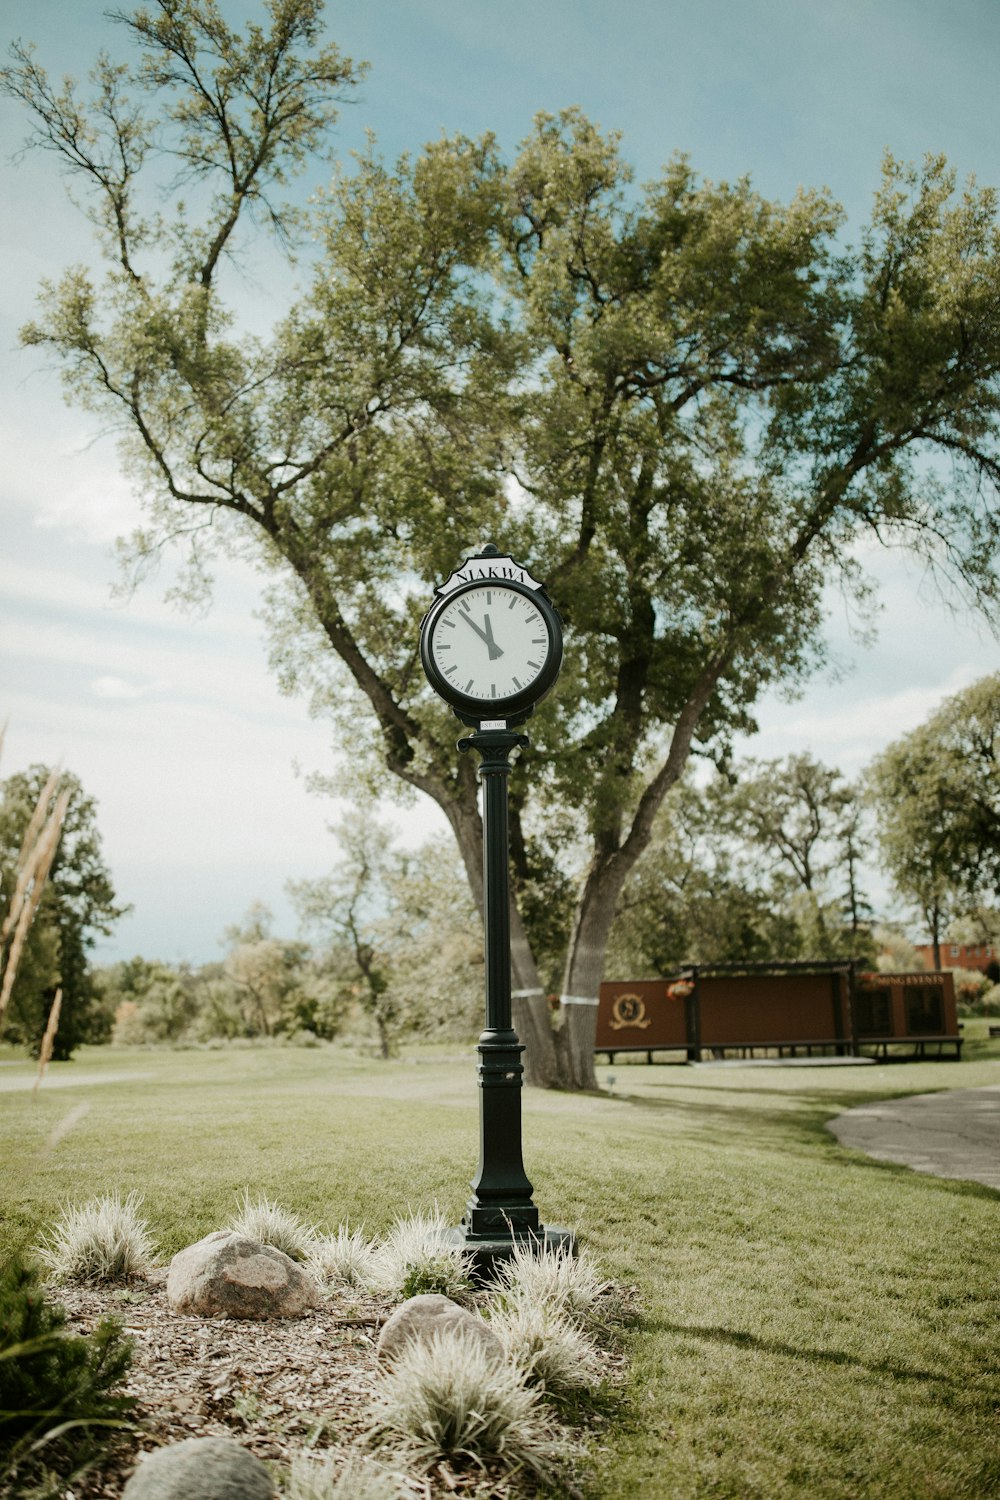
569	1285
103	1240
447	1397
553	1351
313	1478
419	1256
267	1223
345	1258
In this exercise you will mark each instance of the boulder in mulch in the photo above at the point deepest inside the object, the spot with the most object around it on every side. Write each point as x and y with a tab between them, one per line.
227	1276
421	1317
209	1468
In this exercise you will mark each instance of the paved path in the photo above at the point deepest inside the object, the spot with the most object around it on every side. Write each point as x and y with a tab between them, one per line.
23	1081
948	1135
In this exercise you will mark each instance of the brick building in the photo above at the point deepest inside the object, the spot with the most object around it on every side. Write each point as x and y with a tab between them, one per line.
960	955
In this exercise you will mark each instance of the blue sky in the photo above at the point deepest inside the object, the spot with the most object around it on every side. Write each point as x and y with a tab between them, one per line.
173	722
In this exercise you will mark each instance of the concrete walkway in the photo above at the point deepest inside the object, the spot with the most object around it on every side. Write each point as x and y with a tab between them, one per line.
948	1135
24	1081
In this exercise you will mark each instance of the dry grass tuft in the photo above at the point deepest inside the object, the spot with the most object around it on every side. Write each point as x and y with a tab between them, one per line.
268	1224
448	1397
103	1240
568	1285
358	1479
554	1352
418	1256
342	1259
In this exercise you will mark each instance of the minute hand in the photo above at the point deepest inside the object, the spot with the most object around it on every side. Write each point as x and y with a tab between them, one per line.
494	649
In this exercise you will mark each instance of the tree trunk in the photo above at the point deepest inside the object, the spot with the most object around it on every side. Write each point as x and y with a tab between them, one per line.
529	1005
604	884
584	971
532	1019
936	938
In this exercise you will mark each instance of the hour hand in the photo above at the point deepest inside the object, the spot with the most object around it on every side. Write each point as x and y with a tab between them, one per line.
494	649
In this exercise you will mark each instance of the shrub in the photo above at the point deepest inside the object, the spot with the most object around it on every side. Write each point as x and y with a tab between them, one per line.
420	1256
268	1224
57	1410
103	1240
448	1397
345	1257
989	1003
971	987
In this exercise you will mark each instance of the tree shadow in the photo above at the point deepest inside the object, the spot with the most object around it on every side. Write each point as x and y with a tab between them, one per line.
804	1120
739	1339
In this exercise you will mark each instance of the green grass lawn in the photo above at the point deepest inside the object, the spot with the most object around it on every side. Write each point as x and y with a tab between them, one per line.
813	1323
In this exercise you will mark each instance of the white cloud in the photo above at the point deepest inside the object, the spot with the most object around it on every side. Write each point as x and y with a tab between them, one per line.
98	506
56	475
117	687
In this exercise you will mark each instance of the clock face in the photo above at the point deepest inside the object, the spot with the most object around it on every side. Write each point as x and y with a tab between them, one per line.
491	644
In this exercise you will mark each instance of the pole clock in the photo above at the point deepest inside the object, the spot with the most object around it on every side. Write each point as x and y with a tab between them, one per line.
491	646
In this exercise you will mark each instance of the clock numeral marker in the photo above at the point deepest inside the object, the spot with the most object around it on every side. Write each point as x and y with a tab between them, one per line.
516	683
513	602
468	686
493	688
539	643
489	597
534	665
450	624
449	670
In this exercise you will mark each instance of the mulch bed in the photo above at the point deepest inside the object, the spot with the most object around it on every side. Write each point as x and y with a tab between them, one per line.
277	1386
280	1387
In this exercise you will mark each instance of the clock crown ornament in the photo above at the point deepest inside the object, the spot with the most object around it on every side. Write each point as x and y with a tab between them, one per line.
490	563
491	643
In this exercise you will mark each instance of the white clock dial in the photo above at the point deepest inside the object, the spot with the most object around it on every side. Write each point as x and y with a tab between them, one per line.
490	642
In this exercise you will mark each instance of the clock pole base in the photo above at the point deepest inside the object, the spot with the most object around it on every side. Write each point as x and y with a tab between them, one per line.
487	1252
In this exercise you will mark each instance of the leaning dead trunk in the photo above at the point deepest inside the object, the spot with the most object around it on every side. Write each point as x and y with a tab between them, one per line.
48	1041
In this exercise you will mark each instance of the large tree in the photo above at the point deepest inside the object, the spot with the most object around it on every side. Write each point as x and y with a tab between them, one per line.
399	934
805	820
761	863
683	405
936	794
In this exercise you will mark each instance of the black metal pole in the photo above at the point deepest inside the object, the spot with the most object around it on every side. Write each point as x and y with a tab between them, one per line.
500	1211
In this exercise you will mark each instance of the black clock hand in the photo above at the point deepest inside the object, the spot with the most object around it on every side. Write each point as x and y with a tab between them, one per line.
495	650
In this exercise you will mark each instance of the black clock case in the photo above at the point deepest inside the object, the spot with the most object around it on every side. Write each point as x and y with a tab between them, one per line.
514	709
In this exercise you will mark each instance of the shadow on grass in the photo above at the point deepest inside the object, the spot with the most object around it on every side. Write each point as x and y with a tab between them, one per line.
797	1130
610	1405
802	1123
738	1339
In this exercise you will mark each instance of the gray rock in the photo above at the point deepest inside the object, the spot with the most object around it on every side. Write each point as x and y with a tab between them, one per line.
227	1276
209	1468
421	1317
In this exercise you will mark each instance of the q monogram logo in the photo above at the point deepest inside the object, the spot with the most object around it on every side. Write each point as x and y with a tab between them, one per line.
628	1010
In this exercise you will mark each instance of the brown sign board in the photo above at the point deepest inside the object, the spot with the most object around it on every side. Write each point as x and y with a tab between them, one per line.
826	1006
